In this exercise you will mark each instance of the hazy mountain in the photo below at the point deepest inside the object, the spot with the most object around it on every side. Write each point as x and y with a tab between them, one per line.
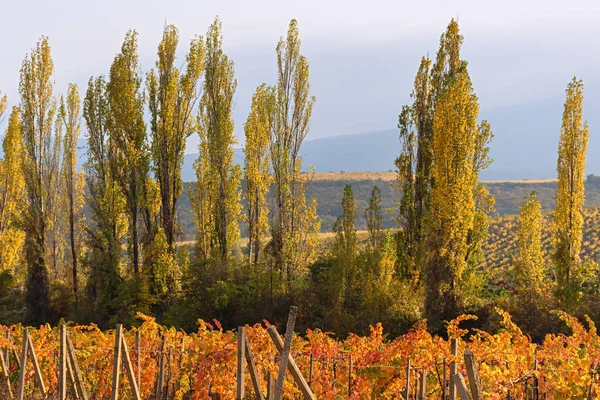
524	146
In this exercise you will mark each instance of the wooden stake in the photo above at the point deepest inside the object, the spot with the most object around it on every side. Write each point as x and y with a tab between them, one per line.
292	366
407	387
117	362
138	347
252	367
240	376
285	352
444	380
270	386
80	388
310	371
453	367
161	371
535	393
473	373
36	367
350	375
24	345
129	369
71	376
62	381
422	385
169	370
6	377
461	386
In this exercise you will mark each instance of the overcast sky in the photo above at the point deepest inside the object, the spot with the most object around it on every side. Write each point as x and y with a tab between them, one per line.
363	54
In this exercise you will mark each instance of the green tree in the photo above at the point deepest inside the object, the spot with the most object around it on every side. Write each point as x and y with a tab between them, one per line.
567	225
295	226
40	168
374	219
215	167
11	193
345	246
126	126
460	150
107	224
173	94
70	116
529	268
257	174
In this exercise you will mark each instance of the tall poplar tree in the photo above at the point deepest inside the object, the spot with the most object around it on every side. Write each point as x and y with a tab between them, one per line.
345	246
415	162
130	158
40	167
173	93
70	114
460	151
295	224
221	177
257	174
567	225
107	224
11	193
529	268
374	219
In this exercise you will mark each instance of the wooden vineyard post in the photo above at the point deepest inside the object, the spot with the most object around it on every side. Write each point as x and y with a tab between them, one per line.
138	347
407	387
292	366
240	376
270	386
350	375
285	352
120	350
473	373
535	380
445	379
161	370
117	362
62	380
422	385
27	346
461	386
6	377
310	371
169	370
252	367
74	369
453	367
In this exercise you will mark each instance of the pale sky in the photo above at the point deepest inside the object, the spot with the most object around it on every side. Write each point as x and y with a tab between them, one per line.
363	54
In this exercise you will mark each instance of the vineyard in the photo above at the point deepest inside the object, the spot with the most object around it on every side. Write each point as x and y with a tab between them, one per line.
202	365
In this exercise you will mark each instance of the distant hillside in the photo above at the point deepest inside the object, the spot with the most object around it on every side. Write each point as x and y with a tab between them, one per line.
328	188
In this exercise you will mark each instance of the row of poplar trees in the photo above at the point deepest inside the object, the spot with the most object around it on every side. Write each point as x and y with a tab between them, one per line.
443	209
136	126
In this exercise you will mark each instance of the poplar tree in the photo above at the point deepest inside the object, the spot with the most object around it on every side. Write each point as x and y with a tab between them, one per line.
218	175
567	225
3	104
107	224
126	126
374	219
40	168
70	114
173	93
11	193
257	174
345	246
295	225
460	150
529	268
415	163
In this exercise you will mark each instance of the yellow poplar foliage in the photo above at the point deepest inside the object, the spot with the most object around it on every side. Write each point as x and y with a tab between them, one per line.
257	174
11	193
172	95
568	219
218	176
529	268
